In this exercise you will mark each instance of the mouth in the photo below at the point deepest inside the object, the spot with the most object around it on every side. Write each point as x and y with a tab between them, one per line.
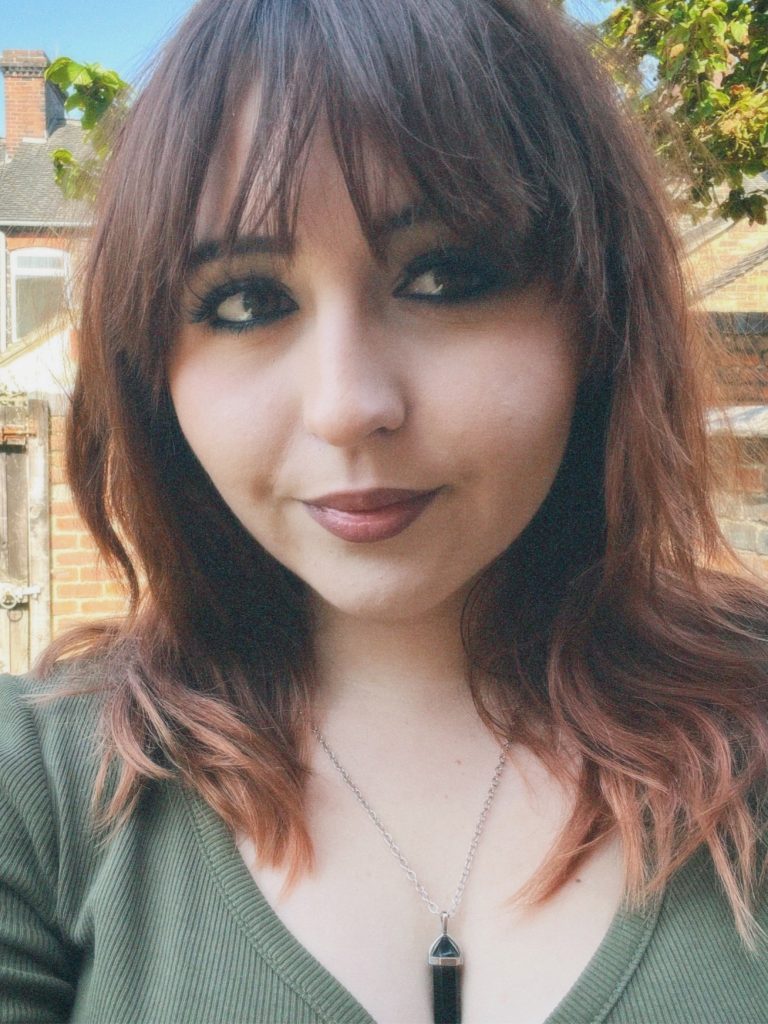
363	517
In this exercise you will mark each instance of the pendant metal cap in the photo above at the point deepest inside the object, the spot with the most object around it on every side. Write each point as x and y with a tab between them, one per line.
445	953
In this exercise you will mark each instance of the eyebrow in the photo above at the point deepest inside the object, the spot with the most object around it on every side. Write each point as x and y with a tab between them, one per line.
209	250
419	212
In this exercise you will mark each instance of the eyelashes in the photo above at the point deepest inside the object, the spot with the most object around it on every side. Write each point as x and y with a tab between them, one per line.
454	276
442	277
243	303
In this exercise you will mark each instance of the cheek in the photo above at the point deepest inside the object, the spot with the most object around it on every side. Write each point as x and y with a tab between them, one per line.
539	415
229	418
511	405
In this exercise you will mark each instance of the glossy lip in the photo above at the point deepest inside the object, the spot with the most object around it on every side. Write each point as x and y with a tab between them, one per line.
363	517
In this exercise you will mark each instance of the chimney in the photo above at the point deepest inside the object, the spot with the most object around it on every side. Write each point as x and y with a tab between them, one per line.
33	108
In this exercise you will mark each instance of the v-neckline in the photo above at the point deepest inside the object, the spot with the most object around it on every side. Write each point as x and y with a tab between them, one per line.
588	1001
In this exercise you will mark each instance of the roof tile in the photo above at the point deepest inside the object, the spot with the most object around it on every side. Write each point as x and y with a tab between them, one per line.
29	194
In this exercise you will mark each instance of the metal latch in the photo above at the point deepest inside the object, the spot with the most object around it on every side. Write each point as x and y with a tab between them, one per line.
14	594
15	434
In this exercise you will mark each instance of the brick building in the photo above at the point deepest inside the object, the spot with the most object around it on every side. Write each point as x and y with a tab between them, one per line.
730	268
50	576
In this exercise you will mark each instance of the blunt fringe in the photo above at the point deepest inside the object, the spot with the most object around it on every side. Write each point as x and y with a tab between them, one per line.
610	629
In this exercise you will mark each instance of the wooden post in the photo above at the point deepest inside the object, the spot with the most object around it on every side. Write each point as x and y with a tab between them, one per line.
25	629
5	622
39	526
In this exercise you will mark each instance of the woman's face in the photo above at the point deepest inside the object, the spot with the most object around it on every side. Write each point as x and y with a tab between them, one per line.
384	427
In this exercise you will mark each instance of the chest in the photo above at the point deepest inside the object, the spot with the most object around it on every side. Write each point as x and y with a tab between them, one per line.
361	917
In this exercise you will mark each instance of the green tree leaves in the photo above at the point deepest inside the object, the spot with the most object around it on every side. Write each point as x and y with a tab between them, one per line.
94	91
697	72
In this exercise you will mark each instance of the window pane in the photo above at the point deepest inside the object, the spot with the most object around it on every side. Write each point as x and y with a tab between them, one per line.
37	300
51	261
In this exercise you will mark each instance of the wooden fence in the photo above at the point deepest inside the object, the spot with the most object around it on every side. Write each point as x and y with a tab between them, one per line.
25	598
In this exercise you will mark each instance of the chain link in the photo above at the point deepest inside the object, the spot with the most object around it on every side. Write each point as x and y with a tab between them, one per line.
395	849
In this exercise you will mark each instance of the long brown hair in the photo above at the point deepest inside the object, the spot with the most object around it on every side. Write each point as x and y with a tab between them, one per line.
603	631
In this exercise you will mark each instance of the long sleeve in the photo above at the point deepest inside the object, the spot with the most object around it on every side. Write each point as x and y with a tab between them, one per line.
163	924
36	966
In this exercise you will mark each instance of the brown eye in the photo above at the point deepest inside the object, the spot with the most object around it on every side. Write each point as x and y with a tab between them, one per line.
446	283
236	308
446	276
240	305
254	304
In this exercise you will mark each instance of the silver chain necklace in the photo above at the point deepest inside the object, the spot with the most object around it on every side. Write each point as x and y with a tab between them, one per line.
445	957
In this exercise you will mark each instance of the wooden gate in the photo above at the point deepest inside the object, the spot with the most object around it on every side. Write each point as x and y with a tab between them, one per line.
25	593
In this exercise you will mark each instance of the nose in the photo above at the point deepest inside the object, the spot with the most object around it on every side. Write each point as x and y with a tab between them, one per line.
354	384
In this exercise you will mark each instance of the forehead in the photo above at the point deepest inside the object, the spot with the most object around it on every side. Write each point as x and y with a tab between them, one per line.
247	173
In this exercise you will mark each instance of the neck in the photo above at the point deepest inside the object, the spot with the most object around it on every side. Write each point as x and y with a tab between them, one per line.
394	669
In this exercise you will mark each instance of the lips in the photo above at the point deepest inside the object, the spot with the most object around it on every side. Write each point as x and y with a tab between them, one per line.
363	517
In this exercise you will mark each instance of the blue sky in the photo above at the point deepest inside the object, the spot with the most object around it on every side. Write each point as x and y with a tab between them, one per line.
121	35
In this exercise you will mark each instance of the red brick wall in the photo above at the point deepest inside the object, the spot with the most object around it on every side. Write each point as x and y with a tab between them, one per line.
81	587
748	293
25	110
743	510
47	241
741	362
741	368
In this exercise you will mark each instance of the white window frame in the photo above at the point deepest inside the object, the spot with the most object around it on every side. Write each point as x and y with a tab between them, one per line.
33	250
4	275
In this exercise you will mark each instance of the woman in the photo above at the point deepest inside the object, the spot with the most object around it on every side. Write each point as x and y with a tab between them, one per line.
388	412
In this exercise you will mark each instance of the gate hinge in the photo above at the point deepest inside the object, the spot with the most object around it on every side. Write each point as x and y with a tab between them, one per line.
15	434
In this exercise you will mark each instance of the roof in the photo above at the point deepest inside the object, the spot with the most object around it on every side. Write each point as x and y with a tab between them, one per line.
743	266
743	324
29	195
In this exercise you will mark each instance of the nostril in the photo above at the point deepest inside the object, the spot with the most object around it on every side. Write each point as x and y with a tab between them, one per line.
347	421
347	400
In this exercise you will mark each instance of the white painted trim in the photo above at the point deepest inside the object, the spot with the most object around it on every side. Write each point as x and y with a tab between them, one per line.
52	329
3	294
741	420
45	224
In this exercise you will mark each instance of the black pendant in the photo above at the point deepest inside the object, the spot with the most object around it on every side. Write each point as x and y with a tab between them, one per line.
446	960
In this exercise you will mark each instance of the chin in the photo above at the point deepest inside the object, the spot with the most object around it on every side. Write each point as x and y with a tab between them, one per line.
392	601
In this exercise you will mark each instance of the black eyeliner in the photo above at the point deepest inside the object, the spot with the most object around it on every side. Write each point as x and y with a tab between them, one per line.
205	309
493	276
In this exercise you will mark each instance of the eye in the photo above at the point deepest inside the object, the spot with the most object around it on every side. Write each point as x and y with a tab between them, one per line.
244	304
453	276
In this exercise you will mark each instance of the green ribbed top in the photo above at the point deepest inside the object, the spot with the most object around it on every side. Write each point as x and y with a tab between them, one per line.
164	924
